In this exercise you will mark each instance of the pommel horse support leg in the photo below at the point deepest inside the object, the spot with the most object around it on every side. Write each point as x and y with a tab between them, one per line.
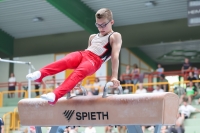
131	110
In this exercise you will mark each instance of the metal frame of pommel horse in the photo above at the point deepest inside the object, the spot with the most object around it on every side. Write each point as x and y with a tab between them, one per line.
130	110
29	71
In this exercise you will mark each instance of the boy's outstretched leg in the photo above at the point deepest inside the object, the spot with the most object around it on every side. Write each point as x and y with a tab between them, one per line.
70	61
86	67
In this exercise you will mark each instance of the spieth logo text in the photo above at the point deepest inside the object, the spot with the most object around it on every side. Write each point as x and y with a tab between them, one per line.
86	115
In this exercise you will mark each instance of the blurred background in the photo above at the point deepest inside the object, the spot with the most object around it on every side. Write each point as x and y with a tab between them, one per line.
160	52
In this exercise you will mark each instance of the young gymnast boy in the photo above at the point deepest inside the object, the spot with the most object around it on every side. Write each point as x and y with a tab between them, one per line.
101	47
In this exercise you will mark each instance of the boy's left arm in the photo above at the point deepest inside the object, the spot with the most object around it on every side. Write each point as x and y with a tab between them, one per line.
116	42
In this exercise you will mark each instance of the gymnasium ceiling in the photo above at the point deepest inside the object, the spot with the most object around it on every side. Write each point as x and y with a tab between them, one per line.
66	25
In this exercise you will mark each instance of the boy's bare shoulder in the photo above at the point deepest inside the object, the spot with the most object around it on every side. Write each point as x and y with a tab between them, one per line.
92	36
116	35
90	39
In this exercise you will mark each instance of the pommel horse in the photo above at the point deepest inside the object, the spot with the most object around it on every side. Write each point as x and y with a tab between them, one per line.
131	110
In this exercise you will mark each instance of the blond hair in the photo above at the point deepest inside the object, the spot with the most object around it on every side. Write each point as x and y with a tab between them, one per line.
104	13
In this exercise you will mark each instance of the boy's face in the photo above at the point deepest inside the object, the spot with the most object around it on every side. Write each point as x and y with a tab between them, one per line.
104	25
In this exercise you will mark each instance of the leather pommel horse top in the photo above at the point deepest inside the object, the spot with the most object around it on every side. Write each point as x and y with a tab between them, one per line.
126	109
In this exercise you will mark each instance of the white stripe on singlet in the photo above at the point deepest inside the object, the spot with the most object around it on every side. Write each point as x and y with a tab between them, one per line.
100	45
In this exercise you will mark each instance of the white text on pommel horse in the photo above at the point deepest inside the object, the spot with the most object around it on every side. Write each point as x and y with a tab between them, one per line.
92	115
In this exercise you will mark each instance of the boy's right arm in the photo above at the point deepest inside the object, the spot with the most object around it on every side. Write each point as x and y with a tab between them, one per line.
90	39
